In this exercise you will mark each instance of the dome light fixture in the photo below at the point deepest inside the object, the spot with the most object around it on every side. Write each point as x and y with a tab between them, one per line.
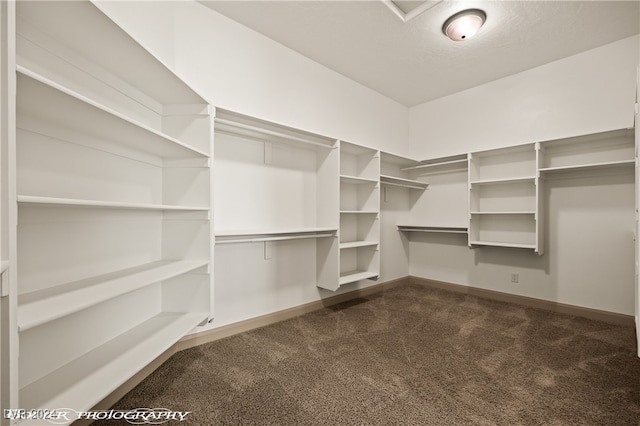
464	24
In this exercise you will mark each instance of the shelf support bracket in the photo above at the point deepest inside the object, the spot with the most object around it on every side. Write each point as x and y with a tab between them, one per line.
4	278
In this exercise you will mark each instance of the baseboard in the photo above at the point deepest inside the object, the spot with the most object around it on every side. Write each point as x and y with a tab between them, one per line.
235	328
285	314
595	314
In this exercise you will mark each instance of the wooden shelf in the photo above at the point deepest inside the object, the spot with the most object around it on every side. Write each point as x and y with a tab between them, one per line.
353	276
609	149
434	229
507	180
355	180
122	63
71	202
511	212
51	103
356	244
274	231
267	132
358	212
462	161
501	244
82	382
590	166
39	307
402	182
254	236
234	124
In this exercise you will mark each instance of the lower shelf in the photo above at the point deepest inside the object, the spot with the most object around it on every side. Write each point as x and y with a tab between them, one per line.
39	307
353	276
86	380
502	244
356	244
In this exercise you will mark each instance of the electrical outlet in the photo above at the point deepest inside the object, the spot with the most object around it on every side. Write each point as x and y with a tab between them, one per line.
515	278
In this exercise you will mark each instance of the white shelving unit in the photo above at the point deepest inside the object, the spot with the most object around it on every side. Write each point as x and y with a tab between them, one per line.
399	171
441	207
359	214
604	150
504	201
275	183
114	195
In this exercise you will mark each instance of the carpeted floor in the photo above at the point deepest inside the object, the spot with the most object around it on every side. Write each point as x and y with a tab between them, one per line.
409	356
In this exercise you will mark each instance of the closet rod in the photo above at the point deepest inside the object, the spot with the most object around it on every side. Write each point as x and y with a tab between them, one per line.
444	163
434	229
405	185
270	133
263	239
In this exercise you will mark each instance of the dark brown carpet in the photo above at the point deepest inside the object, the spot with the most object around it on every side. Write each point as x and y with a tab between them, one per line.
409	356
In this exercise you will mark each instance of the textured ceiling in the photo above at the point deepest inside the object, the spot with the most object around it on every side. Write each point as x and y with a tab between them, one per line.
413	62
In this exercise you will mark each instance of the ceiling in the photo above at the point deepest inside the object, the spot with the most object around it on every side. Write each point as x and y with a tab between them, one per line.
410	60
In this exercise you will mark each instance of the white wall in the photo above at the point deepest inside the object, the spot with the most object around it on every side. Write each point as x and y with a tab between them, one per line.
238	69
589	220
586	93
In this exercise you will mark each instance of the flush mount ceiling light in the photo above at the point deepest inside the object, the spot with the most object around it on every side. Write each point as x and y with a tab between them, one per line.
464	24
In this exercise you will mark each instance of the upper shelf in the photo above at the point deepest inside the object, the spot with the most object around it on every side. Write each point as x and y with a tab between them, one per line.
355	180
72	202
456	162
406	183
73	29
234	124
263	235
434	229
504	180
45	106
589	166
595	151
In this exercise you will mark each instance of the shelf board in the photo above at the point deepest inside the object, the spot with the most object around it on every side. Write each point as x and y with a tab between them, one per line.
42	306
435	229
356	244
603	165
502	244
271	231
519	179
356	180
55	103
407	183
268	132
255	236
358	212
505	212
129	64
74	202
353	276
84	381
437	164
